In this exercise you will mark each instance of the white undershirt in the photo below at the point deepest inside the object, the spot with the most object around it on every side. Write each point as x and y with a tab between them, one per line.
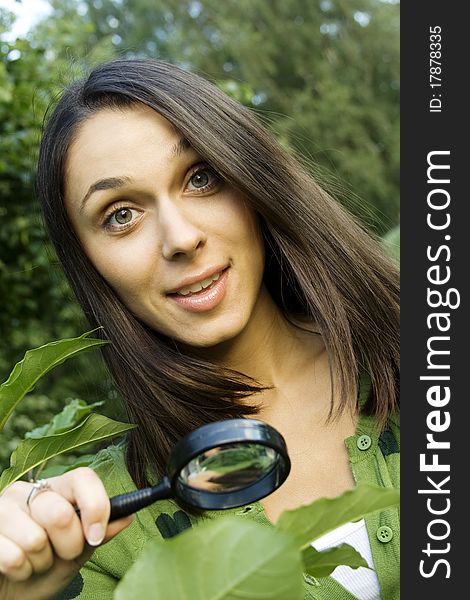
362	582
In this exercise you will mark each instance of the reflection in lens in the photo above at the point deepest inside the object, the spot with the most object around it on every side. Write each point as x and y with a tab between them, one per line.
229	468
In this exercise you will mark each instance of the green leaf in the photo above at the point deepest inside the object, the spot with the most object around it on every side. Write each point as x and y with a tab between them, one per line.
225	559
307	523
69	417
35	364
32	452
82	461
322	564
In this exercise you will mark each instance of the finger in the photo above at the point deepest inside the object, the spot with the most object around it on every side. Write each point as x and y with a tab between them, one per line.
57	516
84	488
17	491
21	529
44	586
14	563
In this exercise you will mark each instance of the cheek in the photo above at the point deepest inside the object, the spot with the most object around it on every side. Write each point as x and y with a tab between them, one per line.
239	225
251	240
126	267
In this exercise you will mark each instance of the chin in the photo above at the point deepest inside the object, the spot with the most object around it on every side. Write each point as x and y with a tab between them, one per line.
212	339
208	341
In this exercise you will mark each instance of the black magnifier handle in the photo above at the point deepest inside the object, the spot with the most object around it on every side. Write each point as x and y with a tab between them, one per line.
129	503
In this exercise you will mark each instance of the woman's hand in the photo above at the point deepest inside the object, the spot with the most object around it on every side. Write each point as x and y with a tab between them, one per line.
43	546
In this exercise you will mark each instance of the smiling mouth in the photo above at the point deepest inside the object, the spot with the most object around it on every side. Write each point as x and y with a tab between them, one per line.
205	298
195	288
201	286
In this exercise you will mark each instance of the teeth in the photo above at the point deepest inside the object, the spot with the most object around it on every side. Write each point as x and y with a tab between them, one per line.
197	287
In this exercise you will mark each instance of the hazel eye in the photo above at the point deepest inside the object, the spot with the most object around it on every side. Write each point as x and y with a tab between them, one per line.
203	179
120	218
123	216
200	179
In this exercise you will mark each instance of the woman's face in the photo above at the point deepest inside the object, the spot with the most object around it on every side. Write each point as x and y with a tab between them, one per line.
157	224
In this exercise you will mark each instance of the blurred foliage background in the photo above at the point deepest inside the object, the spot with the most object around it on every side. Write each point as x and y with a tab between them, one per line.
324	76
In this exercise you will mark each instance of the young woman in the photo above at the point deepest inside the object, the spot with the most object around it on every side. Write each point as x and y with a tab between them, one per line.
229	284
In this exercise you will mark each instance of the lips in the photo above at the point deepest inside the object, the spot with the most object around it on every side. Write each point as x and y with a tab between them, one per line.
198	287
206	299
195	284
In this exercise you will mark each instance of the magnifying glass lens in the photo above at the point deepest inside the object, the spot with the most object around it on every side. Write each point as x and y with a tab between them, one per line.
229	468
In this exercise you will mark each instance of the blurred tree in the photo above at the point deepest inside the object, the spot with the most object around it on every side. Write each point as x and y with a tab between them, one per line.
36	302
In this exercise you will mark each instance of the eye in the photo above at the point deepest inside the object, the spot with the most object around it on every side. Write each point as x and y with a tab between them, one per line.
202	179
120	218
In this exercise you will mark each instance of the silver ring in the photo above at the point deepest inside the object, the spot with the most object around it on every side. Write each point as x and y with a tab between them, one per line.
41	485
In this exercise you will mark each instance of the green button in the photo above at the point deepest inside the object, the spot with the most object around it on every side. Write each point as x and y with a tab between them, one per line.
364	442
384	534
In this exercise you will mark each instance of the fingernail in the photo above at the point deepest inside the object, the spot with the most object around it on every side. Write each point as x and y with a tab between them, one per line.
95	534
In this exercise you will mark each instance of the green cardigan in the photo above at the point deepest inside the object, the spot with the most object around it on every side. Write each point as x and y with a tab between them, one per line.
374	459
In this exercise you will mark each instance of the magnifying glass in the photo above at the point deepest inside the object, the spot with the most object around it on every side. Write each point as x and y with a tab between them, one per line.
220	465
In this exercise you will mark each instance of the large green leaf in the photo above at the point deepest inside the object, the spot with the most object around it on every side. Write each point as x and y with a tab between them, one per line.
31	453
69	417
35	364
225	559
321	564
307	523
82	461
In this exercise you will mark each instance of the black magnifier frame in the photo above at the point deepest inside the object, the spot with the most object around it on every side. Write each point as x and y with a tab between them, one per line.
225	433
213	435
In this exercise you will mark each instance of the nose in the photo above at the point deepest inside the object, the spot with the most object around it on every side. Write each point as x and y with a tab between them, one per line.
179	231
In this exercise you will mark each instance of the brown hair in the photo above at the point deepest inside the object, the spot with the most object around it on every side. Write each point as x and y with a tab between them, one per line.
320	263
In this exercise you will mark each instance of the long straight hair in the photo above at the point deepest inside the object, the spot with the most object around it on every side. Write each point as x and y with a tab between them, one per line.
320	263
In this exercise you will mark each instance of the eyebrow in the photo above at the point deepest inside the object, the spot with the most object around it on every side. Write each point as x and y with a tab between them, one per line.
110	183
182	145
